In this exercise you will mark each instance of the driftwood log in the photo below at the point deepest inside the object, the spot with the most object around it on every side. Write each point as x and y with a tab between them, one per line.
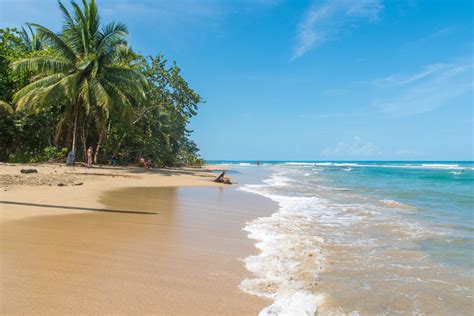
221	178
29	171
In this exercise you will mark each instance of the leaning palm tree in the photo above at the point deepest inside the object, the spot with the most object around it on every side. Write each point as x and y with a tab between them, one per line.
83	72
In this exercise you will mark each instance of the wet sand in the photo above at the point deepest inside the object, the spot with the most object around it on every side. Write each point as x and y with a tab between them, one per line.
186	259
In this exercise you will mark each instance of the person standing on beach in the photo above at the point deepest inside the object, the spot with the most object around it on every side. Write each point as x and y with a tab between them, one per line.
89	157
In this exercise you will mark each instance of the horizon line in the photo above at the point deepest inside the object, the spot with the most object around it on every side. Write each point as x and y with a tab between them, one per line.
329	160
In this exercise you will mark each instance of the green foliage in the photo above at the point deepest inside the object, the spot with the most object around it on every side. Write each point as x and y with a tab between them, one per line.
52	153
31	40
7	132
25	136
156	129
85	83
47	154
11	48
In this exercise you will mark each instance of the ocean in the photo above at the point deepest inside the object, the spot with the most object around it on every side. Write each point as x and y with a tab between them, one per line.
362	238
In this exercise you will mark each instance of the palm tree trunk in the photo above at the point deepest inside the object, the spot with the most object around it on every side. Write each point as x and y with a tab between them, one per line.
76	114
104	134
71	158
85	134
84	145
97	148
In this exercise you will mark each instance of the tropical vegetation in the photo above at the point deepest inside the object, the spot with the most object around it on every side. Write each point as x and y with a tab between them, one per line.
84	86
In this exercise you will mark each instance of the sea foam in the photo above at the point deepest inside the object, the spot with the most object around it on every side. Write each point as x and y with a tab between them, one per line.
287	267
299	163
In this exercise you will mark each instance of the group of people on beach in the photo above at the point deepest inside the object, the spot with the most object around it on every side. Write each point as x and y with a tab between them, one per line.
145	163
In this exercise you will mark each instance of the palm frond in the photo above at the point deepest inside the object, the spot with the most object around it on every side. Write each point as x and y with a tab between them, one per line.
25	38
85	94
101	97
69	21
6	106
127	73
70	30
82	25
110	34
29	100
55	41
84	64
93	18
35	85
41	65
133	88
71	84
52	93
119	99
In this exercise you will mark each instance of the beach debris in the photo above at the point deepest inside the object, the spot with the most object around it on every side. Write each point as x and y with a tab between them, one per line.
221	178
78	183
60	184
29	171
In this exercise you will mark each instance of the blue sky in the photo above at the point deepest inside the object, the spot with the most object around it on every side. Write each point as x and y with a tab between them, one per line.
300	80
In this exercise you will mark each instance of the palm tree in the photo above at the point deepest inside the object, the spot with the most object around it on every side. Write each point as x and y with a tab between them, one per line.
83	72
30	39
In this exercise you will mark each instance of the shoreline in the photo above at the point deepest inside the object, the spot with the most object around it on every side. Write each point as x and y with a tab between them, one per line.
186	258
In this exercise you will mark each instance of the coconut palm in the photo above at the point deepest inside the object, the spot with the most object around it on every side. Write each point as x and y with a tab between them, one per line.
83	71
30	39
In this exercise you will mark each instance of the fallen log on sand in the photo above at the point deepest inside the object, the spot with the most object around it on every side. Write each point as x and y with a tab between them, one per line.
221	178
29	171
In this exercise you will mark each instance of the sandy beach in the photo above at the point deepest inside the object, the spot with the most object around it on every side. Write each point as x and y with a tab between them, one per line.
124	240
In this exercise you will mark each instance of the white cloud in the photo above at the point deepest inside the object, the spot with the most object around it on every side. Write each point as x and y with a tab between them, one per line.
358	148
398	80
322	21
424	91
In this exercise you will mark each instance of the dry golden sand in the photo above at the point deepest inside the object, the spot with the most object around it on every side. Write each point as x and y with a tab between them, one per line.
60	255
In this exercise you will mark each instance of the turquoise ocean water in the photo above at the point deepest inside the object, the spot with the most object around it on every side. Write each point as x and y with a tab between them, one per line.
399	232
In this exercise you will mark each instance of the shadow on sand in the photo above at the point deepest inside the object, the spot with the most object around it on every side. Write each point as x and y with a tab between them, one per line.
78	208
